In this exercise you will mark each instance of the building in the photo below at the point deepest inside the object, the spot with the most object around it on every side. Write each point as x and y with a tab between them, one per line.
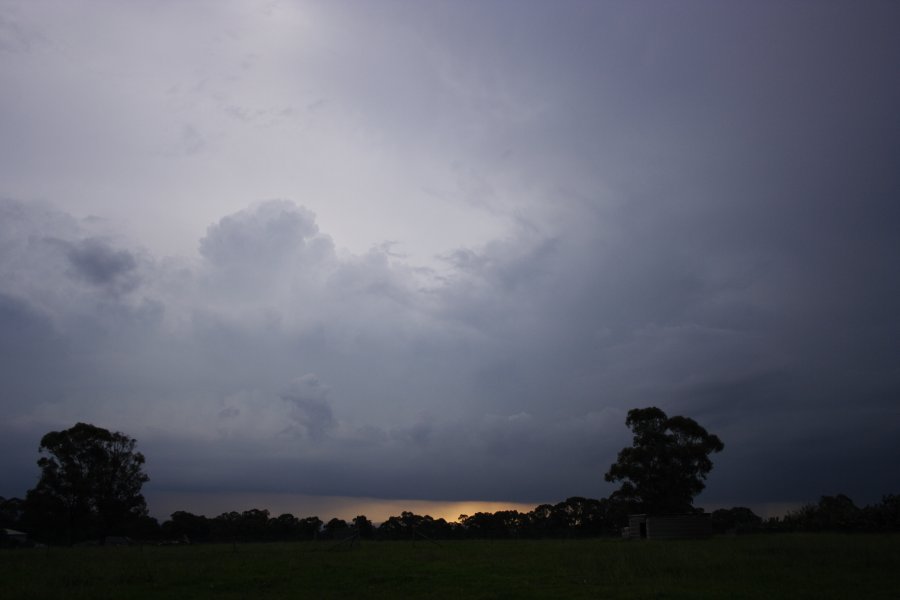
668	527
14	538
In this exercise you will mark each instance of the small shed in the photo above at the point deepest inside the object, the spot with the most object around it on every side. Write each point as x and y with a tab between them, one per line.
117	540
668	527
15	538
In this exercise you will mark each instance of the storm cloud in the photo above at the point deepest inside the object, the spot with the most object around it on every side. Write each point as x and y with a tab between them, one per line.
412	253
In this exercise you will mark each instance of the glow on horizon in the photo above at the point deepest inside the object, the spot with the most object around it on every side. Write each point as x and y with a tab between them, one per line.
163	503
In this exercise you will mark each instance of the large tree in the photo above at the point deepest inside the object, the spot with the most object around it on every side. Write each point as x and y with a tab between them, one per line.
667	463
90	484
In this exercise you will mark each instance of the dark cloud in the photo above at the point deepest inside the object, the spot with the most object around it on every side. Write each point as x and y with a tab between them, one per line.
97	263
509	379
498	456
309	405
30	348
699	205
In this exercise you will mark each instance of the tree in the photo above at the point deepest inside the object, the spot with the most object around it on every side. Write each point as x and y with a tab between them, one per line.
310	528
885	516
738	519
90	484
667	463
11	512
364	527
832	513
253	524
185	526
284	527
336	528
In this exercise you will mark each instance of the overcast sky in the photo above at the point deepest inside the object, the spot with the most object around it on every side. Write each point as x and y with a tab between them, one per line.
436	250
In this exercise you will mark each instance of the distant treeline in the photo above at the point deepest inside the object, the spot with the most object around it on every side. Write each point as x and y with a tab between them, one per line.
572	518
839	513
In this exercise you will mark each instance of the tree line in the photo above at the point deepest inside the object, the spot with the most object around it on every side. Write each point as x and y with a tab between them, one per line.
575	517
91	479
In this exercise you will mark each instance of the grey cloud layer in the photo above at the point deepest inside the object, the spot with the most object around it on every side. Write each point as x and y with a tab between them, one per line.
692	206
275	364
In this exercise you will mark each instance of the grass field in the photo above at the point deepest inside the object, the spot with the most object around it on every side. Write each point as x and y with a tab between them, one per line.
764	566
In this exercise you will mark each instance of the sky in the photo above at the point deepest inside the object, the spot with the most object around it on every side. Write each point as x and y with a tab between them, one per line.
349	256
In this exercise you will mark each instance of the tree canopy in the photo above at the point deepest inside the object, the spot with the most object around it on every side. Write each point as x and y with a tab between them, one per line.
667	463
90	484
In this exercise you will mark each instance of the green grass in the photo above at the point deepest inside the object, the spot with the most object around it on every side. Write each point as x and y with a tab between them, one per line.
776	566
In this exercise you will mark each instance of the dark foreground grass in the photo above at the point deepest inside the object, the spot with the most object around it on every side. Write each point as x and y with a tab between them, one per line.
776	566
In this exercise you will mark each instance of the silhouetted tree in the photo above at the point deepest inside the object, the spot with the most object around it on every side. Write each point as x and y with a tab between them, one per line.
440	529
737	519
284	527
310	528
545	521
408	525
884	516
364	527
336	529
184	526
11	512
667	463
587	516
483	524
90	484
392	528
145	528
226	526
832	513
839	513
253	524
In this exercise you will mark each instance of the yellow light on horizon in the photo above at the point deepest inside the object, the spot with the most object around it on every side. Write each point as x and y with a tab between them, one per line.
163	503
